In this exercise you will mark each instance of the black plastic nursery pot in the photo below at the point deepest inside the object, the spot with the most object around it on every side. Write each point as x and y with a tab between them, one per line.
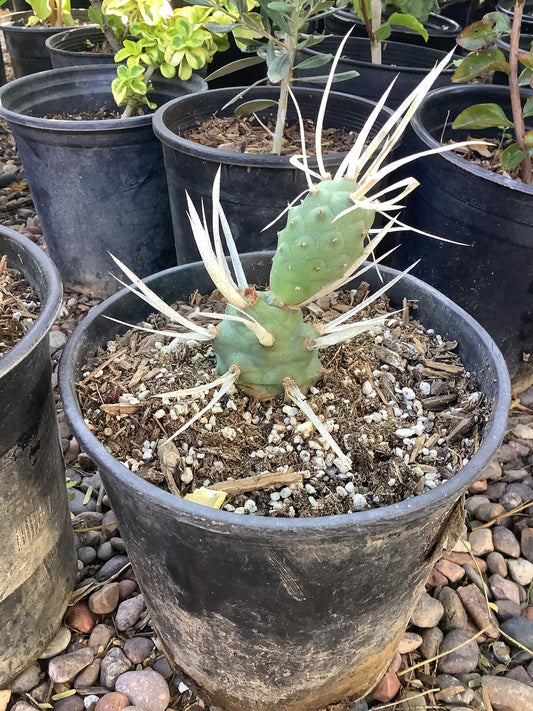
261	613
442	30
507	7
458	10
255	189
99	186
26	45
493	278
71	47
406	64
38	561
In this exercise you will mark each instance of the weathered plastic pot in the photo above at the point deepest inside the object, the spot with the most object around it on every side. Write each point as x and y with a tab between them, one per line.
406	64
442	31
98	186
492	279
254	188
69	48
263	614
26	45
38	561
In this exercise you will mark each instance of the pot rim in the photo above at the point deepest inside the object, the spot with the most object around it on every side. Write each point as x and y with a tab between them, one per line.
56	39
505	6
440	94
61	75
437	53
203	516
50	296
453	28
217	155
6	22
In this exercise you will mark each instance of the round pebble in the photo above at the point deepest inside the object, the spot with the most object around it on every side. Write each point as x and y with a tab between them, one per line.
427	612
461	660
146	689
137	649
114	664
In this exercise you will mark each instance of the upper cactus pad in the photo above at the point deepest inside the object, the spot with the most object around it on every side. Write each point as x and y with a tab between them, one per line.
313	251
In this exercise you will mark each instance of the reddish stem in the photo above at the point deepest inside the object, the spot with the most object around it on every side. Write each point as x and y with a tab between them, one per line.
514	88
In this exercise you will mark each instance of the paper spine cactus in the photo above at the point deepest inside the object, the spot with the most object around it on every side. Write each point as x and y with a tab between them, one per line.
263	345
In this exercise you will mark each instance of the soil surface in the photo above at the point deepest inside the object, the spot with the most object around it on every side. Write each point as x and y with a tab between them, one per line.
19	307
396	399
489	156
248	134
470	641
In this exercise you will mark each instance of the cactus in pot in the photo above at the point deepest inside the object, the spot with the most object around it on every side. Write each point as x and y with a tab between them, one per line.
262	344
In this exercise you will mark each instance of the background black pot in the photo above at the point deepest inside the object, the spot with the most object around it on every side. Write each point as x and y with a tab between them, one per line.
38	561
407	64
70	48
255	189
270	614
26	45
493	278
98	186
507	6
442	31
458	10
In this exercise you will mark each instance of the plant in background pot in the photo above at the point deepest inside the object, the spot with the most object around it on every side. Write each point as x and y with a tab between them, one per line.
479	39
118	186
484	196
38	562
408	22
377	62
149	37
273	611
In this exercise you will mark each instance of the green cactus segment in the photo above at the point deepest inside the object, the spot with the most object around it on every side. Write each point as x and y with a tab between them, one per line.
313	251
263	368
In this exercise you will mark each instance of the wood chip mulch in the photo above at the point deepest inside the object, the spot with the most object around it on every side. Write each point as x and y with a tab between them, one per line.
247	134
399	403
19	307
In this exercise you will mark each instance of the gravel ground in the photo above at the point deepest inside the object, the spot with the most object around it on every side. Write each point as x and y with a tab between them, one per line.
477	609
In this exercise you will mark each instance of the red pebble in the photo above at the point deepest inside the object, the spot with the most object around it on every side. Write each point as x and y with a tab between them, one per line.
436	578
478	487
80	617
387	687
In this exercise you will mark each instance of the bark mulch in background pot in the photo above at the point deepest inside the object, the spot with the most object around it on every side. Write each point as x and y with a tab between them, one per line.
457	199
78	45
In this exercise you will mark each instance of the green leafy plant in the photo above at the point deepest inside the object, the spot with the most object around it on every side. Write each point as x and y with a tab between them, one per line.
262	344
53	13
275	31
404	13
479	39
148	35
